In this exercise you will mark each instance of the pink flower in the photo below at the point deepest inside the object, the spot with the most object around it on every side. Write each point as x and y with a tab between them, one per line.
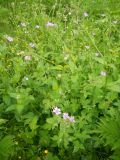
57	111
50	24
65	116
72	119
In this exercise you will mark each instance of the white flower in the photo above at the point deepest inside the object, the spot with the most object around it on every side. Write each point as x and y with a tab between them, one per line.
23	24
103	73
27	58
87	47
97	54
10	39
26	78
115	22
85	14
37	26
32	45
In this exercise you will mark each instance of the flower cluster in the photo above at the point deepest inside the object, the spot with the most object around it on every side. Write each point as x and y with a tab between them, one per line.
65	115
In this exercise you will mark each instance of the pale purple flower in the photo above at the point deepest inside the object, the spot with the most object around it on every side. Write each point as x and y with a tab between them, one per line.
37	26
85	14
65	116
32	45
103	73
50	24
57	111
27	58
72	119
23	24
10	39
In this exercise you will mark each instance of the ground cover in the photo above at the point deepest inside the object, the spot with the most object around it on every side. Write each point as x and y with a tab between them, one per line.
59	80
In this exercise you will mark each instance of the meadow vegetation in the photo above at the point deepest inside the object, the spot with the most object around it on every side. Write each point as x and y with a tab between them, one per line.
59	80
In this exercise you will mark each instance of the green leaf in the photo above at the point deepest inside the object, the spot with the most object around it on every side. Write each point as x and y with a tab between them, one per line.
33	124
6	147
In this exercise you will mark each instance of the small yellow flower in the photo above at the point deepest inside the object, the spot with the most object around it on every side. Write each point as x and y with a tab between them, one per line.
46	151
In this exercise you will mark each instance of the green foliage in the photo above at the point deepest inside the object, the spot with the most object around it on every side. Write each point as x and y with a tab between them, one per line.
109	132
59	80
6	147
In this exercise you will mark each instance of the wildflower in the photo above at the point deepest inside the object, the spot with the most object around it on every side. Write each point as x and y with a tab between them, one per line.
10	39
57	111
72	119
66	57
85	14
46	151
37	26
115	22
26	78
97	54
32	45
103	73
65	116
87	47
50	24
23	24
27	58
